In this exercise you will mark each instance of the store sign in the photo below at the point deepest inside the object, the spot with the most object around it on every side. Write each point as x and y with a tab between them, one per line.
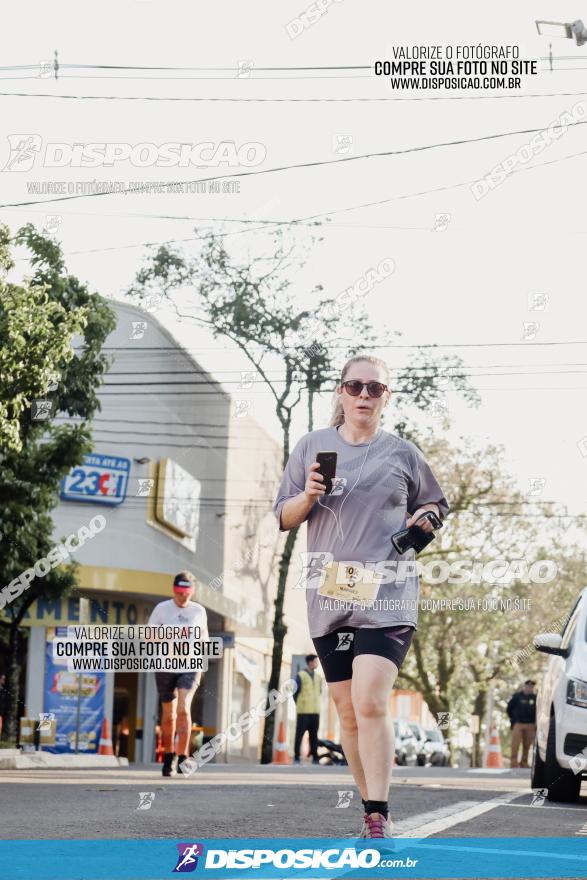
100	479
110	609
178	499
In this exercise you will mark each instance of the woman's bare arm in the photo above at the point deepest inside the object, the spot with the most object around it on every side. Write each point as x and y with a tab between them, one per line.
296	509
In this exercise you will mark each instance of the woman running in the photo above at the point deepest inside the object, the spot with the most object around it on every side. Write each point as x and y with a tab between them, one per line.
361	627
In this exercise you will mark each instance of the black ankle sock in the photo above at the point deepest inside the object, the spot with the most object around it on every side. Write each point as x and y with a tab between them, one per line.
377	807
364	802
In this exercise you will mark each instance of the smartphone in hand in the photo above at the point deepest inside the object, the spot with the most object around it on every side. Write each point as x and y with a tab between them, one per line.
414	537
327	462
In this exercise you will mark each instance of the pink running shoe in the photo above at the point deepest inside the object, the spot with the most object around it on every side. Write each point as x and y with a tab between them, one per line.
376	827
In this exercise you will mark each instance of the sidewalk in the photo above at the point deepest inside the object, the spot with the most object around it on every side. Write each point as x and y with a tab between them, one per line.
15	759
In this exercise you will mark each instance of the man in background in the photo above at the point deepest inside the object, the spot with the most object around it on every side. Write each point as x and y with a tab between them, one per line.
521	710
176	689
307	699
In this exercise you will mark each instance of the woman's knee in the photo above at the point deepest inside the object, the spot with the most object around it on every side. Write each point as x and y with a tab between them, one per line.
346	713
370	706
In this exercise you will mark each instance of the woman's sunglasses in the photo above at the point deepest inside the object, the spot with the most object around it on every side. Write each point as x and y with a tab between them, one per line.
354	388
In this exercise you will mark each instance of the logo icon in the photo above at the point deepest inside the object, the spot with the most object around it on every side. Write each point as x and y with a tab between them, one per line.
537	484
342	144
23	151
145	486
52	223
345	641
443	719
241	408
152	302
138	329
530	330
247	379
146	799
537	302
244	69
46	69
45	719
441	222
338	484
578	763
41	410
344	799
438	408
53	384
539	797
187	859
313	572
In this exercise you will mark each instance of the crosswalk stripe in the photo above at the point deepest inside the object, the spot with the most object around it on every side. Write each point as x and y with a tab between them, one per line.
460	812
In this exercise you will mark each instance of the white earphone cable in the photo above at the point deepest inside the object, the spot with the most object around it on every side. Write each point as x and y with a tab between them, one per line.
337	517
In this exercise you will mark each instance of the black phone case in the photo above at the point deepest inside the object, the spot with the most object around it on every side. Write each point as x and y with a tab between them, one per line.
327	477
415	537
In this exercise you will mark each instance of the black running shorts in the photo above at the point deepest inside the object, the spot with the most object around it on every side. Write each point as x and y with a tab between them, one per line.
168	682
337	649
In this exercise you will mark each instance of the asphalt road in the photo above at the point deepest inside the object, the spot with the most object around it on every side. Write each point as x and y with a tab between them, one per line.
254	801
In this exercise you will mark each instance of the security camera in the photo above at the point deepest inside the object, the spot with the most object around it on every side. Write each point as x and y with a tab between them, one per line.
564	30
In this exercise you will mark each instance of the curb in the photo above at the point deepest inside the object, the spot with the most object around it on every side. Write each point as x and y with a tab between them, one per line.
14	759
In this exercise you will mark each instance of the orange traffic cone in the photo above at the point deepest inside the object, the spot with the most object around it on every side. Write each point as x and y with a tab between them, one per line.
494	756
105	744
280	753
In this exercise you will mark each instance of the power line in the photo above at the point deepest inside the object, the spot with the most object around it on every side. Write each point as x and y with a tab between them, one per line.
298	221
430	370
147	348
407	376
230	100
302	165
259	79
232	69
421	372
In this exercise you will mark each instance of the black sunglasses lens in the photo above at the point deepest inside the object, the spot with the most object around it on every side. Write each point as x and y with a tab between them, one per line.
375	389
354	388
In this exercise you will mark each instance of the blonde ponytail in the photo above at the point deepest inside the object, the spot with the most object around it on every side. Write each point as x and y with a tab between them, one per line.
337	417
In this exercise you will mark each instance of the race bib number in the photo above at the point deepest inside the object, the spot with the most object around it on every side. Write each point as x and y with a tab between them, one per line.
349	583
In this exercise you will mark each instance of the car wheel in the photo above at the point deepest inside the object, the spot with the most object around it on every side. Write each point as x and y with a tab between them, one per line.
538	779
563	785
421	761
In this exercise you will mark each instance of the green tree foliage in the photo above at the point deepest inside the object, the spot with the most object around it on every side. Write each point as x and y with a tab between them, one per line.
52	330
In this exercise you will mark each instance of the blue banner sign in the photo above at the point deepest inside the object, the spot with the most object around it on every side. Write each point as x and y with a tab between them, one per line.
298	857
101	479
63	691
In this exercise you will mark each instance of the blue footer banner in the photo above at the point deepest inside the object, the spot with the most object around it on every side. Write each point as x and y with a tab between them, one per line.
284	858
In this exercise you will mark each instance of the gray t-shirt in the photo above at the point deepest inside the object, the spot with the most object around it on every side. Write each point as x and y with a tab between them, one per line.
394	480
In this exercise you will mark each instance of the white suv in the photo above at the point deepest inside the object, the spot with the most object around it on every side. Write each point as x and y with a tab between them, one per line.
560	750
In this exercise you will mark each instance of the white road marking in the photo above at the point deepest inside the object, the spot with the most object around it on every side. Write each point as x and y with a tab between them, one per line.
491	771
546	805
427	824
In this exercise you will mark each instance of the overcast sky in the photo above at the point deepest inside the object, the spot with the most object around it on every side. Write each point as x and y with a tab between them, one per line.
468	288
